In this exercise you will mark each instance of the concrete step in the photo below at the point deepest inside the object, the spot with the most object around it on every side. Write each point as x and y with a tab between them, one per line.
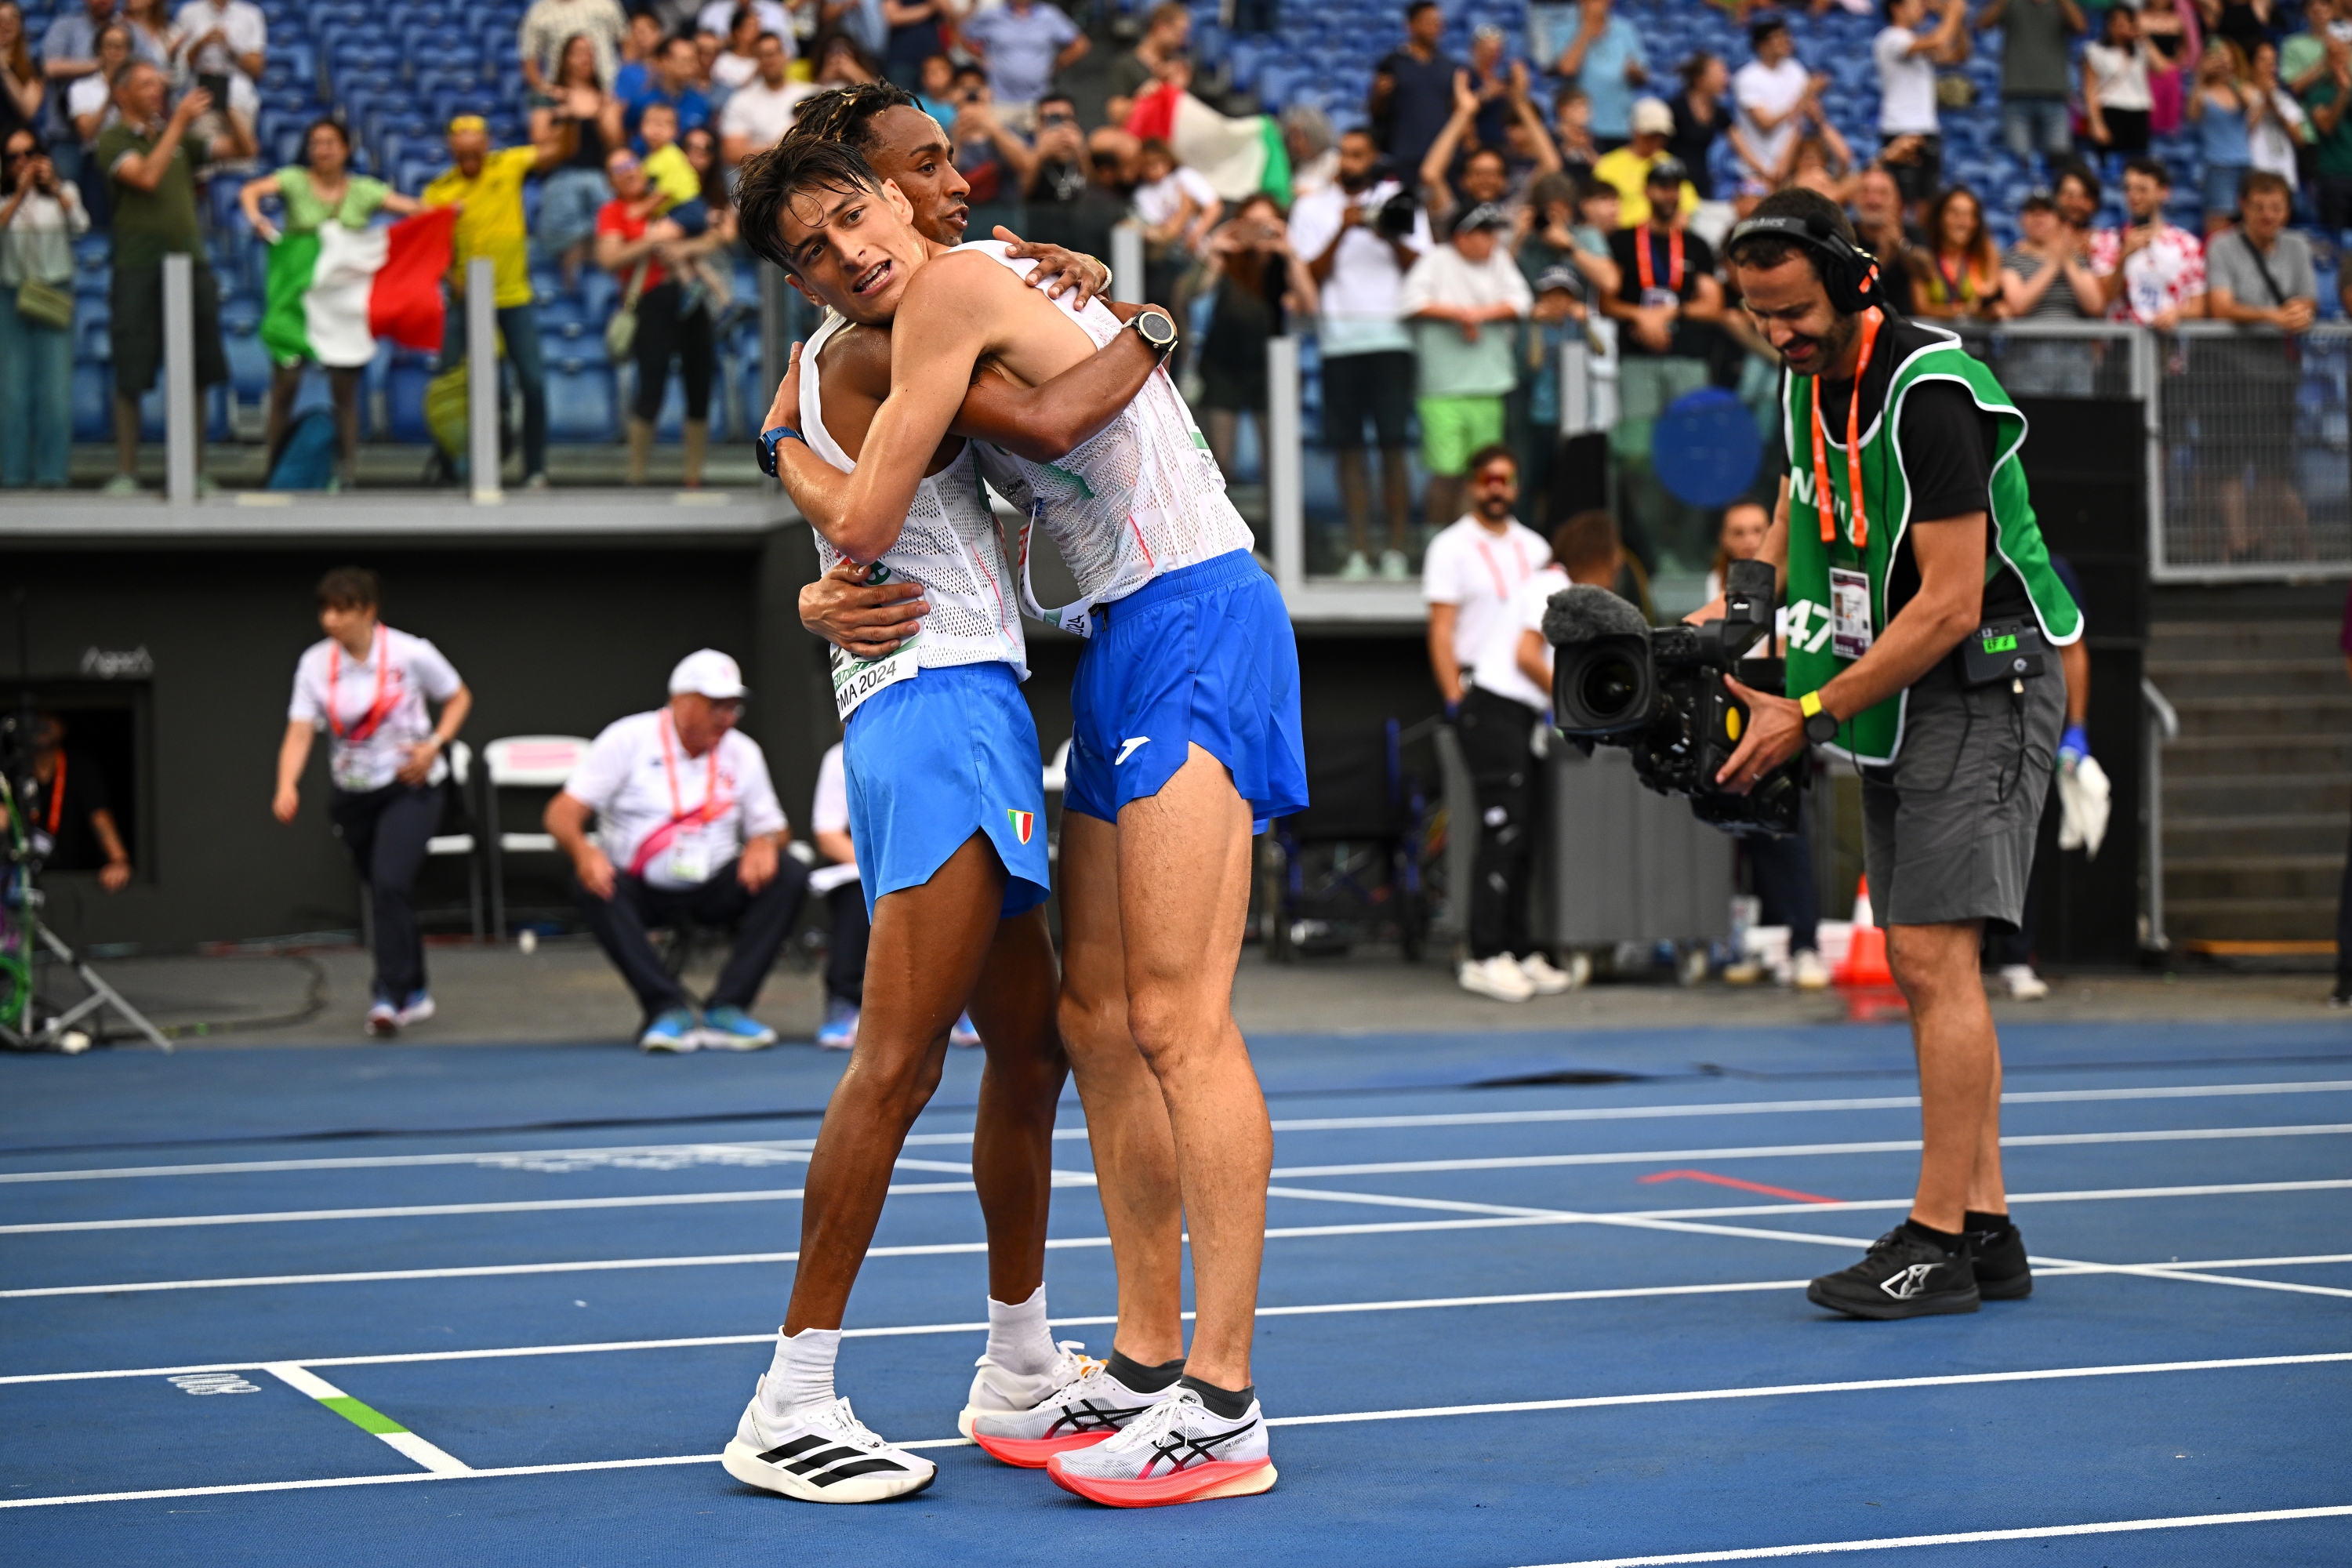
2254	756
2254	877
2249	919
2205	836
2265	714
2192	679
2273	793
2285	637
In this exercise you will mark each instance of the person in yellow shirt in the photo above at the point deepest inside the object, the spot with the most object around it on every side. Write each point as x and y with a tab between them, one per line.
486	187
1627	169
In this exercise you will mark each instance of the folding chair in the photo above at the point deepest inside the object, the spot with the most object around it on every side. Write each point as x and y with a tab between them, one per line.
1348	867
522	762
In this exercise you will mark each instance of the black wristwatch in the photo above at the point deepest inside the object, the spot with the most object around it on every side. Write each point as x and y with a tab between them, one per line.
766	446
1820	724
1158	329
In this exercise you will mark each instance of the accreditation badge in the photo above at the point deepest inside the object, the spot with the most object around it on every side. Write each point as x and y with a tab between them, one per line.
690	857
1849	612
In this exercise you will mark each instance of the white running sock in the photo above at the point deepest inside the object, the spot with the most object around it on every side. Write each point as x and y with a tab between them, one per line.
800	1379
1018	1339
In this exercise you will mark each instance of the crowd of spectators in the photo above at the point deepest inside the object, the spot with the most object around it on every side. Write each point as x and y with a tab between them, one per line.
1465	219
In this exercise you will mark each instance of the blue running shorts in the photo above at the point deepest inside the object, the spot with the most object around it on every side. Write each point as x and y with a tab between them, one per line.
1204	654
930	760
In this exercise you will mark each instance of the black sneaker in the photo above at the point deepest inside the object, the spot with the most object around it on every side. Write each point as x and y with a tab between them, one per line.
1902	1276
1999	1259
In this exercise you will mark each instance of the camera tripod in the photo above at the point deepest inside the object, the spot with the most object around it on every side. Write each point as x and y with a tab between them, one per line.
27	945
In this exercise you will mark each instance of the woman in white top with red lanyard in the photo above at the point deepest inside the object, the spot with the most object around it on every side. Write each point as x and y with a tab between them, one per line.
366	685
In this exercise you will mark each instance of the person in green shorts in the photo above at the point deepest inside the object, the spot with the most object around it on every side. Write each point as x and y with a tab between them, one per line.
1463	298
312	195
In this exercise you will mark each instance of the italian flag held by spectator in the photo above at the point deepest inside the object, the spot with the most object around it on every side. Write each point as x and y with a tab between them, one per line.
334	292
1239	155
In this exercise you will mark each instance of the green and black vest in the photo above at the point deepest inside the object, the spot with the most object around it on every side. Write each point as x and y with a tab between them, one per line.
1876	734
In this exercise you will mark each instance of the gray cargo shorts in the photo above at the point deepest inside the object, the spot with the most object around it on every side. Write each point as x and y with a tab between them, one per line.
1948	827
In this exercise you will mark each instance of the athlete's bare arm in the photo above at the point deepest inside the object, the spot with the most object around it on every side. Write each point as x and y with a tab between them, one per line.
955	309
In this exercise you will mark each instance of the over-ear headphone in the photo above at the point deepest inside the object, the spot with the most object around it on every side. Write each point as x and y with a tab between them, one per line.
1849	273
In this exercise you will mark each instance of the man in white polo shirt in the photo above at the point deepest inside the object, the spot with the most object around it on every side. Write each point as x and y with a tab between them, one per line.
689	826
1473	568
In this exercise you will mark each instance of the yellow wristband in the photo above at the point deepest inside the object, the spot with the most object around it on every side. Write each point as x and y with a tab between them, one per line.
1809	703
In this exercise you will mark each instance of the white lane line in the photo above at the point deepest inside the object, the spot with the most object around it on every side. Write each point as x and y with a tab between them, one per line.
367	1418
1962	1538
1595	1401
1317	1310
762	1152
1069	1178
1794	1150
1498	1216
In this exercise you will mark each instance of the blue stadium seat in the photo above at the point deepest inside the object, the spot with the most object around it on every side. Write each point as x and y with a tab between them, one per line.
249	370
405	388
580	406
93	406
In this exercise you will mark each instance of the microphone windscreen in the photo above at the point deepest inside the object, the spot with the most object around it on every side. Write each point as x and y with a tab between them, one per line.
1580	613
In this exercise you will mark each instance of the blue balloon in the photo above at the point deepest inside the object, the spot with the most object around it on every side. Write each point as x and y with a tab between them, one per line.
1705	448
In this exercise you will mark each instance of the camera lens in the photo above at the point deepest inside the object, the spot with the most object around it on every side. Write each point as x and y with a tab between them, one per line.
1607	688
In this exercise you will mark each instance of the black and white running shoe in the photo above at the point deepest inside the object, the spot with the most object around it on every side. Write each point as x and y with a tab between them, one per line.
1998	1259
824	1457
1902	1276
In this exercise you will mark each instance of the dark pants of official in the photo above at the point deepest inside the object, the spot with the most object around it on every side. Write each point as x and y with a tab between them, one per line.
1495	732
1783	869
760	921
386	830
844	963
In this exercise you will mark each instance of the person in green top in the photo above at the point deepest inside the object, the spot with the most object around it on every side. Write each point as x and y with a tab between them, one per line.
151	170
311	196
2325	98
1888	582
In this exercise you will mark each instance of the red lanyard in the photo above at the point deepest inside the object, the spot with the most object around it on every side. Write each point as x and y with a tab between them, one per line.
1502	590
1643	264
1825	498
713	807
378	708
1960	291
57	796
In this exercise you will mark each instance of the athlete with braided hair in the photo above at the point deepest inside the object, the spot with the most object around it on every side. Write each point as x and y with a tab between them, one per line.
947	813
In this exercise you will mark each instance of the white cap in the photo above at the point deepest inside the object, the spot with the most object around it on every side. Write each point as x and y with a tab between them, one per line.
710	673
1652	118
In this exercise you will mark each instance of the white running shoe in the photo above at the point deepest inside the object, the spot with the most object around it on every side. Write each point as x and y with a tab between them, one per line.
1076	1413
1499	977
383	1017
416	1009
1356	569
824	1457
1808	973
2022	983
1179	1451
1547	979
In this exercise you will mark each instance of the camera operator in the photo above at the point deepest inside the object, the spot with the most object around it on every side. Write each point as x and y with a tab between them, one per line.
1509	693
72	821
1955	733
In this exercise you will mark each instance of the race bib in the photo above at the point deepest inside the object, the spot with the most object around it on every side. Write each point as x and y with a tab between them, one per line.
690	857
856	679
1849	612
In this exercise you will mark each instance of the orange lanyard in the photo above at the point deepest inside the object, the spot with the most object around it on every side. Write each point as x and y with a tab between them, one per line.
1825	497
703	813
377	707
57	796
1647	268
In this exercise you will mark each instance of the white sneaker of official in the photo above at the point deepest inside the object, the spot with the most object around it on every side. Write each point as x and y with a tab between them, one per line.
1547	979
2022	983
1499	977
821	1456
1808	973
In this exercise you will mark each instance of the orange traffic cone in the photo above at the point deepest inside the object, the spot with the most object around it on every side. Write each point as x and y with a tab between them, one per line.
1865	953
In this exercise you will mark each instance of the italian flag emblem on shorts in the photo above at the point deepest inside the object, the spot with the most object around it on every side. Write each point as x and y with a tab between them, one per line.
1023	823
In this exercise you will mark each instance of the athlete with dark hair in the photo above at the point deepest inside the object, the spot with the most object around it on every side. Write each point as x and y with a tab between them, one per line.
1186	710
947	814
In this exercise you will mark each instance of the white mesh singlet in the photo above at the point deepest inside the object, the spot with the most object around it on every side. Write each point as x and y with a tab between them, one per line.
1143	497
950	545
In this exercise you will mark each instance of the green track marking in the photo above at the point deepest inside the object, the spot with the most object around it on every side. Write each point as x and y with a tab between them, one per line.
365	1417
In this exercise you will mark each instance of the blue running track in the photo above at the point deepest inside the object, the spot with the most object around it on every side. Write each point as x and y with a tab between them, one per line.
1528	1300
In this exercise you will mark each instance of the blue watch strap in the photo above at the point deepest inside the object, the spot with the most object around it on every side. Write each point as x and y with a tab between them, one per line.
767	447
